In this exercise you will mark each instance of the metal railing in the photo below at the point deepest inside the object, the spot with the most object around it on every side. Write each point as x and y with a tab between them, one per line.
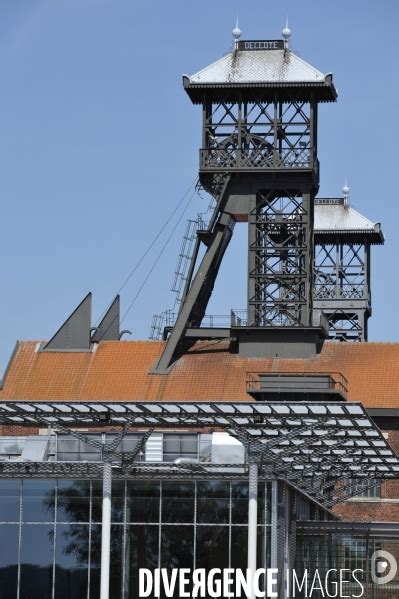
254	158
209	320
239	318
335	291
236	318
283	382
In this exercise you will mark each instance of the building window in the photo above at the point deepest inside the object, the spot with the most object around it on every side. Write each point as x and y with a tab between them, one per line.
181	445
71	449
370	488
175	445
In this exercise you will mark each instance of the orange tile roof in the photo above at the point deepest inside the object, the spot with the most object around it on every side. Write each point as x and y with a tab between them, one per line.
119	371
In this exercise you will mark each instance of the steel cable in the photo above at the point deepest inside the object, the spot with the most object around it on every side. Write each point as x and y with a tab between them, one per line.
150	246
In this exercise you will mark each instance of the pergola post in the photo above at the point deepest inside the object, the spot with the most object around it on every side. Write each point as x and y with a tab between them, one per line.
252	519
274	535
106	530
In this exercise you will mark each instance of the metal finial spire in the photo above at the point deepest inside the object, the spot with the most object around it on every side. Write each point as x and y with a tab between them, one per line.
286	33
345	191
236	32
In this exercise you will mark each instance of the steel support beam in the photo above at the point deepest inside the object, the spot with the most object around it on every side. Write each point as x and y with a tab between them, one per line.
280	259
287	556
106	531
274	536
198	296
218	191
252	520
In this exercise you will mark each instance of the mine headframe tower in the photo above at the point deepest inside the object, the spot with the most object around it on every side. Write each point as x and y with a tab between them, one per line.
343	238
259	161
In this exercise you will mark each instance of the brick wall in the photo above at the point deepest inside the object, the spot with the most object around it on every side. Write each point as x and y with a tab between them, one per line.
392	438
17	431
366	510
363	511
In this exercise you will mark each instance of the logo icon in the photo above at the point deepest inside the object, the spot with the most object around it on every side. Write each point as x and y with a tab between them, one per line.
383	567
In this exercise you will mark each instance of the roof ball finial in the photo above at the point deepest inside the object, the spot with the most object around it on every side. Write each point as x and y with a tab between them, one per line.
345	191
236	31
286	32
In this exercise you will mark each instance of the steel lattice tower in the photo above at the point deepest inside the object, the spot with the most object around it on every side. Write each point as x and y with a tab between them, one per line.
343	239
259	160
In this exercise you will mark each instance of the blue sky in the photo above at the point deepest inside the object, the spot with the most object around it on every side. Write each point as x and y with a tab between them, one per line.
98	142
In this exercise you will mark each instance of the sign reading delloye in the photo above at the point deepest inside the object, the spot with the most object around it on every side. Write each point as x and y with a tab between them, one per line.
261	45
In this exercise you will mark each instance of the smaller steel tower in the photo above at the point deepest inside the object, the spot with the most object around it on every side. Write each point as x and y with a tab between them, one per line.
343	239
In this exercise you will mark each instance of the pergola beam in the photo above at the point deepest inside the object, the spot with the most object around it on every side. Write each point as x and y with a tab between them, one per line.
303	442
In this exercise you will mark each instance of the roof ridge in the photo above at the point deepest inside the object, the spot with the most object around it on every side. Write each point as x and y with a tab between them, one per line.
305	62
362	215
222	58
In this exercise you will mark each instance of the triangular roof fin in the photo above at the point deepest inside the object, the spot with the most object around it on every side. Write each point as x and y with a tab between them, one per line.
108	329
74	334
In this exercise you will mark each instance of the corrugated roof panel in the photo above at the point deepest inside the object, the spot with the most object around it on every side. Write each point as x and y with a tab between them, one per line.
260	66
334	215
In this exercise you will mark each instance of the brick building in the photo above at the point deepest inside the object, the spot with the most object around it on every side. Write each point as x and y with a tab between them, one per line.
268	442
119	371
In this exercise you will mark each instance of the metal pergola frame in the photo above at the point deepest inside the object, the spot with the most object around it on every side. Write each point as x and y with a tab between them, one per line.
305	443
310	445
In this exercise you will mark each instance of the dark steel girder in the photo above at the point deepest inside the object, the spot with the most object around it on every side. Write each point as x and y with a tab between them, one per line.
197	295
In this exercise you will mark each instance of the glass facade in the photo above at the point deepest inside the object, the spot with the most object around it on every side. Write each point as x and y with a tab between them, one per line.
343	551
50	533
